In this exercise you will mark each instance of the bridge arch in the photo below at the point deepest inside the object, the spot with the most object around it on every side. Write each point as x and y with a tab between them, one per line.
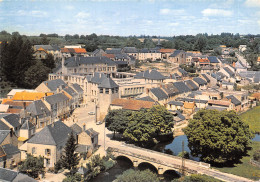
147	165
125	158
171	174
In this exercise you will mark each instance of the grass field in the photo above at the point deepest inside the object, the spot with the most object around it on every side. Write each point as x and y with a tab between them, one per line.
245	169
252	118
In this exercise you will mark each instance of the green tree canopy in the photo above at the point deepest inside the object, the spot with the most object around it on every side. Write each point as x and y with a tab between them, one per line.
146	124
70	159
131	175
201	43
117	120
32	166
36	74
49	61
218	136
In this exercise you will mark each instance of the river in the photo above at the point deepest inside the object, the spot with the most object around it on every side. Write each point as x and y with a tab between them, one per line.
173	147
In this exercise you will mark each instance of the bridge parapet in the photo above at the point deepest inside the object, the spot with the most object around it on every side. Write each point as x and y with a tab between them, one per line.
202	164
160	165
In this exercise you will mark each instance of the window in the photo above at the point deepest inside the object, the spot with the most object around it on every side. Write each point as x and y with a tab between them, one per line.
48	152
92	139
112	90
33	150
107	91
48	162
101	90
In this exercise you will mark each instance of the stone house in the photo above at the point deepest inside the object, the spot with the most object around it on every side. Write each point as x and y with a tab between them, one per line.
149	54
27	131
166	53
201	83
215	104
59	106
88	137
13	122
51	86
38	113
40	54
130	104
10	156
174	105
178	57
49	143
188	108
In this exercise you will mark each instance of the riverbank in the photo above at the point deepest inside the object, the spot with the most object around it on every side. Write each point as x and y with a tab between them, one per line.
245	169
252	118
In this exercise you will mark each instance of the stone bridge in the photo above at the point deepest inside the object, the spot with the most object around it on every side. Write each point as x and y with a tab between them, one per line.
165	162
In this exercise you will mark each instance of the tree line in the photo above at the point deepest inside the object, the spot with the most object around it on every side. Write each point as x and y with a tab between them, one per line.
18	66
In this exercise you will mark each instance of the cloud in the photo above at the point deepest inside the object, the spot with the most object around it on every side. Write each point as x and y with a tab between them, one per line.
69	7
258	22
216	12
34	13
173	24
167	11
82	15
252	3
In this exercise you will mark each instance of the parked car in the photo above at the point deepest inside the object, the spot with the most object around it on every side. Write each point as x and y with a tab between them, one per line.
91	113
99	123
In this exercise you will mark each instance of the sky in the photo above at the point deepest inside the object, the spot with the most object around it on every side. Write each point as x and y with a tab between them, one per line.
130	17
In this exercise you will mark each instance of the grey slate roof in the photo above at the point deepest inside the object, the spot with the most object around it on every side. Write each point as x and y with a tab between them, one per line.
192	86
37	108
10	150
70	91
181	87
56	98
76	61
170	89
108	83
76	128
184	99
183	72
7	175
97	78
54	84
234	100
52	134
114	51
152	75
176	103
3	135
147	98
91	132
231	73
77	87
130	50
205	77
213	59
27	125
175	53
216	108
3	126
159	93
12	119
23	178
200	81
121	56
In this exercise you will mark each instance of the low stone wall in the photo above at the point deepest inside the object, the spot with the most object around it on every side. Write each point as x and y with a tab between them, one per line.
255	163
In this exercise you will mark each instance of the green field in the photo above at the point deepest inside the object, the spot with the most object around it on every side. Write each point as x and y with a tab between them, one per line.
245	169
252	118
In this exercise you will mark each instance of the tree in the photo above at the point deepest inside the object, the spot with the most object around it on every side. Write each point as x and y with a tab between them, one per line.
218	136
36	74
196	178
161	120
49	61
201	43
72	178
117	120
184	154
256	156
70	159
44	40
131	175
32	166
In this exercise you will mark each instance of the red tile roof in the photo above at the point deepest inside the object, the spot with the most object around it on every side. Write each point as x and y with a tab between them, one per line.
134	105
73	50
167	50
111	56
219	102
204	61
